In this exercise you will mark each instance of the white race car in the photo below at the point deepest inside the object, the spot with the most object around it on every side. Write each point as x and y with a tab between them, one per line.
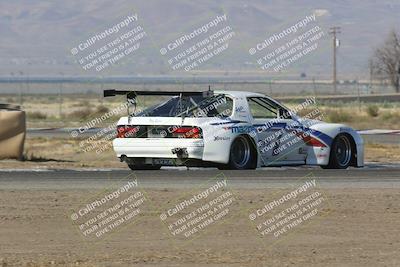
230	130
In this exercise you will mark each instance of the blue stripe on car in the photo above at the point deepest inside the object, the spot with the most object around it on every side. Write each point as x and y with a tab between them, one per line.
323	137
227	122
281	125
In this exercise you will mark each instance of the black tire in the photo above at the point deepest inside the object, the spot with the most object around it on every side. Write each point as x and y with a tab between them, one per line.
341	153
138	167
242	155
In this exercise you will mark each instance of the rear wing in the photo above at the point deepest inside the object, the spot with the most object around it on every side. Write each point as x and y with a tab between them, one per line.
133	94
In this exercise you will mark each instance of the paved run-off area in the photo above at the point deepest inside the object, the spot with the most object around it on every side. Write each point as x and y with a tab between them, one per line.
356	224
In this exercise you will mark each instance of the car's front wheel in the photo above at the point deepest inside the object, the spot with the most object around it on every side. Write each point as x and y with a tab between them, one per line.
242	155
341	153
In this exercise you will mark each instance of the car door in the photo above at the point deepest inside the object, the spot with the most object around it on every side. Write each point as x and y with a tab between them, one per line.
266	126
276	130
292	148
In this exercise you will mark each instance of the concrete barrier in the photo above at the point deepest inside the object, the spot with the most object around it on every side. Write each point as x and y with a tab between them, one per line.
12	131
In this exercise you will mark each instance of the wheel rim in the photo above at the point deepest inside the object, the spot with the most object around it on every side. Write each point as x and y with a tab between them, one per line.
241	152
343	151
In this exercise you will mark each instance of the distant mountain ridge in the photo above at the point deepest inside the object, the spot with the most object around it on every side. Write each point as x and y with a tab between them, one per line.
36	36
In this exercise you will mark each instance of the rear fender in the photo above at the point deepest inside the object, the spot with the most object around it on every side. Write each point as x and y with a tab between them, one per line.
219	137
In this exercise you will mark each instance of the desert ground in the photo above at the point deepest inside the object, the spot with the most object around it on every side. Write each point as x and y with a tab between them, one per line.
360	229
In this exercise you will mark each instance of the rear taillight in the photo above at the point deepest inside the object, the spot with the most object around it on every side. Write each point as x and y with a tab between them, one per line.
127	131
145	131
187	132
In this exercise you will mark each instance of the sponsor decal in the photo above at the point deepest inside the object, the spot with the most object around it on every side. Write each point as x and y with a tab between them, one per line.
221	138
155	120
240	129
240	109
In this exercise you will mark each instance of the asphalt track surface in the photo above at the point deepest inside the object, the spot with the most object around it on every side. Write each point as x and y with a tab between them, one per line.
371	176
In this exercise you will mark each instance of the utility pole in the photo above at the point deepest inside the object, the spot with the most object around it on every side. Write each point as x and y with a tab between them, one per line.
101	90
371	73
60	97
335	42
314	86
270	87
358	95
21	100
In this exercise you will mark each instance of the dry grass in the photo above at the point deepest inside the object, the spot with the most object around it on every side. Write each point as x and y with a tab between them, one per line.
338	115
368	117
36	115
373	110
44	110
62	153
382	153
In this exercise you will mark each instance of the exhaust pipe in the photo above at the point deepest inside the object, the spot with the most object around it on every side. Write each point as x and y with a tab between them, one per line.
180	152
122	158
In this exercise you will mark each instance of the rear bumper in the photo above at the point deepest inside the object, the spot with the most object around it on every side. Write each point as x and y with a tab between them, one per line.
157	147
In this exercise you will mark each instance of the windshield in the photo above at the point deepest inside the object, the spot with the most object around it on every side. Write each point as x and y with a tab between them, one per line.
191	106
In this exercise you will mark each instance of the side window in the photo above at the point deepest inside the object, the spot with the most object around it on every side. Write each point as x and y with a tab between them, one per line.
217	106
224	108
262	108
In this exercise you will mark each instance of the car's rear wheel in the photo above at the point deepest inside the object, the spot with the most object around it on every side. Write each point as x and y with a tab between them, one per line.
242	155
341	153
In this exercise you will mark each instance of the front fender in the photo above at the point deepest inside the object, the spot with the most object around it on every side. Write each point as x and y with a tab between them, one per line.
330	130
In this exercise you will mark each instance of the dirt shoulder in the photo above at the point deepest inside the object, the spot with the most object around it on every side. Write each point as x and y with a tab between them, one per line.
359	229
